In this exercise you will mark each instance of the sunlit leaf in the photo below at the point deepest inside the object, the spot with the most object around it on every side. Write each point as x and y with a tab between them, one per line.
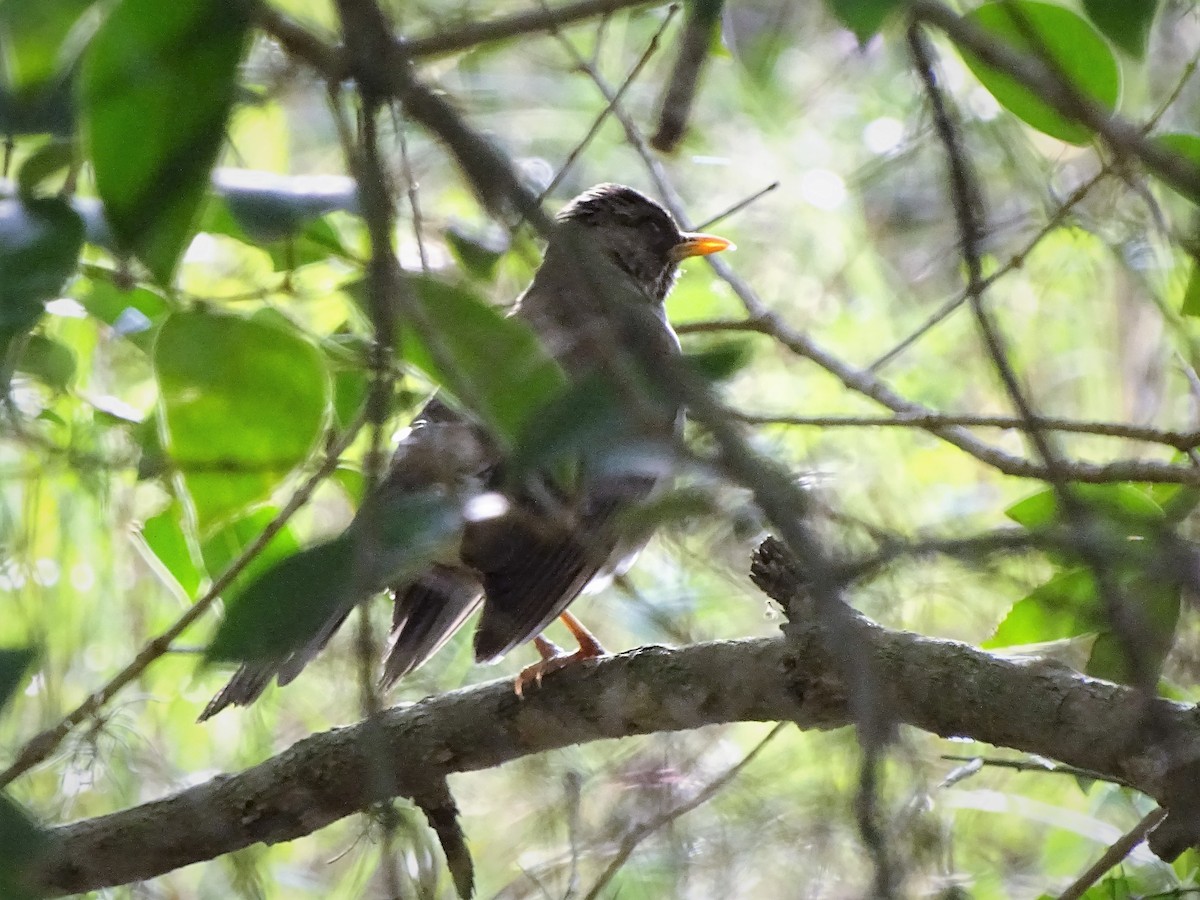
286	605
863	17
492	364
1121	502
1186	145
165	539
227	544
1125	22
1074	47
243	404
1191	293
164	73
48	360
1066	606
40	242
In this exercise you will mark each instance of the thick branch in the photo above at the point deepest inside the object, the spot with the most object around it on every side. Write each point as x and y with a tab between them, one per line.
942	687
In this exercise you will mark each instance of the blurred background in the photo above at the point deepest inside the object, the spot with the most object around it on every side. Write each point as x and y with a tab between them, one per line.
855	246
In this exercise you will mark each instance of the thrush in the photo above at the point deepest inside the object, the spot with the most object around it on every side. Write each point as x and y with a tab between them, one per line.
596	303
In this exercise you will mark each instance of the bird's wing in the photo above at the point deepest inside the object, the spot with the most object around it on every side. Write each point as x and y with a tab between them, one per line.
427	613
532	568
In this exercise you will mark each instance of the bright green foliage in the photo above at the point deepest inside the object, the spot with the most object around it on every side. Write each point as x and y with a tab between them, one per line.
163	73
243	404
227	544
166	538
492	364
287	603
1071	44
863	17
1124	22
1073	603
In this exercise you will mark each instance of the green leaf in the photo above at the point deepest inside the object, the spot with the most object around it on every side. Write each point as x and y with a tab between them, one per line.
165	73
227	544
720	361
132	314
270	207
1191	294
292	240
1186	145
1124	503
47	360
51	158
243	403
1074	47
1125	22
33	35
1157	605
286	606
477	252
164	537
40	241
494	365
14	663
22	844
1065	606
863	17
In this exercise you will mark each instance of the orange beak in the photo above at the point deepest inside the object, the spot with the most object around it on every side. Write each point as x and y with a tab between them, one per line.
697	244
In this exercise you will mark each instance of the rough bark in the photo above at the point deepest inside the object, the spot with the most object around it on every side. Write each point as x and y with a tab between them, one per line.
943	687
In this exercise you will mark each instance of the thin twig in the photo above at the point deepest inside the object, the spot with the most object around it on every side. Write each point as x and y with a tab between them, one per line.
737	207
1045	766
1180	440
647	55
630	842
42	745
1113	856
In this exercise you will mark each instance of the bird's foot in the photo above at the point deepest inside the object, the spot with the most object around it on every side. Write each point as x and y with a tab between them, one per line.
553	659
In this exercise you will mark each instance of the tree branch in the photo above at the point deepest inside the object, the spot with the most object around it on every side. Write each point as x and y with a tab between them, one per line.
943	687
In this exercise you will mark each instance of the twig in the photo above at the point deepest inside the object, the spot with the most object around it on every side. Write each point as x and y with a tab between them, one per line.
42	745
1045	766
1180	440
695	41
1119	849
737	207
630	842
546	19
582	145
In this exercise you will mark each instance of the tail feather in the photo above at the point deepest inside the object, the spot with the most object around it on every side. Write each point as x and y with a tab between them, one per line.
426	615
246	686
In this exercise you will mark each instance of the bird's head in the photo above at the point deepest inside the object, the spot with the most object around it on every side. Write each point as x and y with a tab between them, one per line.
637	234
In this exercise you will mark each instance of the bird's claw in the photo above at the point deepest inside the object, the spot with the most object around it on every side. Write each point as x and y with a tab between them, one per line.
533	675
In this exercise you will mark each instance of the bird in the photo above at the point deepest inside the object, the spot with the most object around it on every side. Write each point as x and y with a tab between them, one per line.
597	297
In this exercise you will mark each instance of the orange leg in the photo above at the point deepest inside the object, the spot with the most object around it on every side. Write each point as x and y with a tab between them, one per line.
554	658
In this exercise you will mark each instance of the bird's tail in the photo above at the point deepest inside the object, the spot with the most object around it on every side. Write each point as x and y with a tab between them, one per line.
427	612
